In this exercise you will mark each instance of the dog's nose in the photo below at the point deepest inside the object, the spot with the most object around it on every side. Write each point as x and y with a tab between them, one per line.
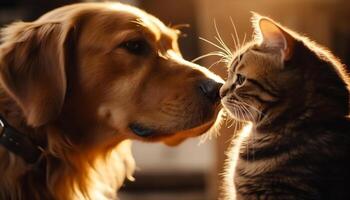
210	89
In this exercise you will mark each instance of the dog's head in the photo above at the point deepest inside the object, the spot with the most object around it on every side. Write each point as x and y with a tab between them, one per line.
107	71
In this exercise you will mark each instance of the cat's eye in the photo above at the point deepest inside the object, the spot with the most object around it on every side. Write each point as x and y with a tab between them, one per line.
137	47
240	79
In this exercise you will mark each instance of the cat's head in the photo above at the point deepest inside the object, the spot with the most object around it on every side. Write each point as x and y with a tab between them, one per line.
283	76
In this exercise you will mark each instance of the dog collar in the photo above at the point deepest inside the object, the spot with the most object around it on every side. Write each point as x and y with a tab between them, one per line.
18	143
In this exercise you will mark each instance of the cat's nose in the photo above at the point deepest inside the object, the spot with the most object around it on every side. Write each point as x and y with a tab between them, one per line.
210	89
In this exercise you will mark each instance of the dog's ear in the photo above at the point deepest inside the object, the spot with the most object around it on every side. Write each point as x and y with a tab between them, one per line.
32	68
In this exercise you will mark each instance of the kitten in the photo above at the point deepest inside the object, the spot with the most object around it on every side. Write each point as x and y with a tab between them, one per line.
295	94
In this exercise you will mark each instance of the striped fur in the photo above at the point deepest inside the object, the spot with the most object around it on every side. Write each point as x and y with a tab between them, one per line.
296	95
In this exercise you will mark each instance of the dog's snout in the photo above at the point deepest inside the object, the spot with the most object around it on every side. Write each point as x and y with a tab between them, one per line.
210	89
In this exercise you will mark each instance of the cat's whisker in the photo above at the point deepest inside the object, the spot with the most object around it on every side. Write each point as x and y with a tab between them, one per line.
221	41
214	132
251	115
236	47
228	55
234	125
244	39
214	53
237	113
221	60
233	37
214	44
229	120
237	38
237	51
235	128
261	115
252	107
231	124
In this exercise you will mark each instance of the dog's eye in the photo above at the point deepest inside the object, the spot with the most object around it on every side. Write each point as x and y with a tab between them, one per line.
137	47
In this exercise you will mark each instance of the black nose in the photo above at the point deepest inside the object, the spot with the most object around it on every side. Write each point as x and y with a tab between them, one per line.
210	89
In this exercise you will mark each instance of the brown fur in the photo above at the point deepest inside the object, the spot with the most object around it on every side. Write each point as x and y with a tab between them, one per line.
68	84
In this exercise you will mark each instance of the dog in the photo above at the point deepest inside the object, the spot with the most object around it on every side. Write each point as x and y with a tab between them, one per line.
82	81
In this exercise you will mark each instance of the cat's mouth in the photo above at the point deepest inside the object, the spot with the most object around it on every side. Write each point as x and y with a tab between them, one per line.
238	110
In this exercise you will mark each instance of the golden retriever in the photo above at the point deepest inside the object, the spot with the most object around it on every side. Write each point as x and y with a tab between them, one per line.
77	84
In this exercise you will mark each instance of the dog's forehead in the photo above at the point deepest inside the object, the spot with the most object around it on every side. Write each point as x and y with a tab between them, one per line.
111	17
145	21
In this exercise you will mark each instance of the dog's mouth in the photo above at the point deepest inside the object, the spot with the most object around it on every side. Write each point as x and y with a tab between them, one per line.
150	133
142	130
146	131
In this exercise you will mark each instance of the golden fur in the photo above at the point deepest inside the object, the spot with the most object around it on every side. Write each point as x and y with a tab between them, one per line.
68	82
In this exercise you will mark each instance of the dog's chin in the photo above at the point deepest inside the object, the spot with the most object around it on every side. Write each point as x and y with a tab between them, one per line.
173	136
179	137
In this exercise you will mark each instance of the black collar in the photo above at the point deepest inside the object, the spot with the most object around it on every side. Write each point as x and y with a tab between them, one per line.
19	144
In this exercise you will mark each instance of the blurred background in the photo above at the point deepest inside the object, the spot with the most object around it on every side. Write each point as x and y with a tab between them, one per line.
191	171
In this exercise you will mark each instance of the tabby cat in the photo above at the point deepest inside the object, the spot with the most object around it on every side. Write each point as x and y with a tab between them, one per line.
295	95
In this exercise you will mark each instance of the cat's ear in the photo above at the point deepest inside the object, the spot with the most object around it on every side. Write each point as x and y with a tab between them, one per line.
271	34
